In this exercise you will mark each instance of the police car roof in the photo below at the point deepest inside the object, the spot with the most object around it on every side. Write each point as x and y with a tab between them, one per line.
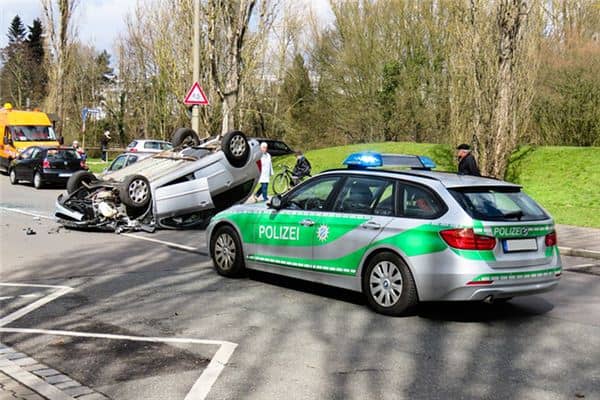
448	179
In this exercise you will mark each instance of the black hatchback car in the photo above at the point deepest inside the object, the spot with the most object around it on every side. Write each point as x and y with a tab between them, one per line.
276	147
45	165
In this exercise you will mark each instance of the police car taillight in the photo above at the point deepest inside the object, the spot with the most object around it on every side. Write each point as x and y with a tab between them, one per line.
551	239
45	163
466	239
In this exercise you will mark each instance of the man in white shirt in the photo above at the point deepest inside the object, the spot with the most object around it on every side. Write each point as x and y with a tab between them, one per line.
266	170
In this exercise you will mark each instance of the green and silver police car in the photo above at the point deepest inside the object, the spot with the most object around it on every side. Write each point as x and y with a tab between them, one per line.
397	236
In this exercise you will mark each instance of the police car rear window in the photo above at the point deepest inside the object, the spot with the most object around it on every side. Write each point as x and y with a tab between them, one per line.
498	204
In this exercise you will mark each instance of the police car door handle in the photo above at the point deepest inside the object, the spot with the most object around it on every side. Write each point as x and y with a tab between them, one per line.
307	222
371	225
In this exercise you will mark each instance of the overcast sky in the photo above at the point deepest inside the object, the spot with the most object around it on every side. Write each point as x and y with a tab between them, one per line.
99	22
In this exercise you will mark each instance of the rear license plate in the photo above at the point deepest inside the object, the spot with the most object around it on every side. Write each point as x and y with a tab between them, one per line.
512	245
65	175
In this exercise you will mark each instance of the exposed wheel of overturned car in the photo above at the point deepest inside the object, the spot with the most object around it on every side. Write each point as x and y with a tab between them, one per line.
185	137
78	178
236	148
135	191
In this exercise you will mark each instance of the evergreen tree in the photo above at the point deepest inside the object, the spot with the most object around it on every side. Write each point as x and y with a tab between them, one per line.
35	41
16	31
104	68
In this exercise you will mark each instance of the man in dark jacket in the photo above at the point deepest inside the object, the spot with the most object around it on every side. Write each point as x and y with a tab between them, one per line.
466	162
301	169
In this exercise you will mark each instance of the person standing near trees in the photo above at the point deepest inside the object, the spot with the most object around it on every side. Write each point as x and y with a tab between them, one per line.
266	170
467	165
104	145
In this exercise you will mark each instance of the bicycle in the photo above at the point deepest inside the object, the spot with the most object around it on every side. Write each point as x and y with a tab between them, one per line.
283	181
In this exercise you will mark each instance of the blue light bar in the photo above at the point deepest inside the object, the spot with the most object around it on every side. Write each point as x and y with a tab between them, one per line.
371	159
427	162
366	159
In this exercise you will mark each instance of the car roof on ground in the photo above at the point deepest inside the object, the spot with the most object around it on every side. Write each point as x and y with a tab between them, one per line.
448	179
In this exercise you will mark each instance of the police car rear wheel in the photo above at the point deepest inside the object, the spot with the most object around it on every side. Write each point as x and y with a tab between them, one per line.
226	252
388	285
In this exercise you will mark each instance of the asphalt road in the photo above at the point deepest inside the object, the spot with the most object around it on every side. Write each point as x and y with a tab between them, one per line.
295	340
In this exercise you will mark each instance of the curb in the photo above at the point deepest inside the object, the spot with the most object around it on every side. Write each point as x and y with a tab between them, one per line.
569	251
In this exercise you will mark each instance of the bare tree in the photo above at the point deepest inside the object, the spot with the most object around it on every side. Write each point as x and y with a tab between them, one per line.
228	22
492	72
60	36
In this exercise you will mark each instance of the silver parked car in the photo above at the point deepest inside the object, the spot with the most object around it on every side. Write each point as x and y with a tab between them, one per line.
148	146
125	160
173	189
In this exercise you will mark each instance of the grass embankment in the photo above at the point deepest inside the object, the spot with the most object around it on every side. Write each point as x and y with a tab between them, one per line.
96	165
564	180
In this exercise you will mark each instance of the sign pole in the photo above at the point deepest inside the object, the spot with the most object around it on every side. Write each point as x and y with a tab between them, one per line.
196	58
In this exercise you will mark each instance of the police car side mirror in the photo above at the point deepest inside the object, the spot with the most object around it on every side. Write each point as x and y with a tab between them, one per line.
276	202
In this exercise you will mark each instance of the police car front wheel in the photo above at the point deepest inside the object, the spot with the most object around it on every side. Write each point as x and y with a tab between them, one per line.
389	285
226	252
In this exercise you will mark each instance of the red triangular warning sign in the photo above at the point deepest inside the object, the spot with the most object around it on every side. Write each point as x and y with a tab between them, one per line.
195	96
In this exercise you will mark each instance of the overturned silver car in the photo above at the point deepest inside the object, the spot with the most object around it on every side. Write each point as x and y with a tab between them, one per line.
179	188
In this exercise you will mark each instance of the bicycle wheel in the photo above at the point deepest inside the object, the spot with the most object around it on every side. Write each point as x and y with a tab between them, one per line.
281	183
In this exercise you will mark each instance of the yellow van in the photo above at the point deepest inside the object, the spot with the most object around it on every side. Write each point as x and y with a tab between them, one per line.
21	129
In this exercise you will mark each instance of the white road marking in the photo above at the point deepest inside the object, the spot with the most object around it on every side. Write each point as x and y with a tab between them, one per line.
31	214
130	235
203	384
60	290
170	244
26	296
200	388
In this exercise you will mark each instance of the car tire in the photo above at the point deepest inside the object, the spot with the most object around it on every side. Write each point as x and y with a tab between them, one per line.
38	180
135	191
388	285
236	148
226	252
78	178
185	137
12	176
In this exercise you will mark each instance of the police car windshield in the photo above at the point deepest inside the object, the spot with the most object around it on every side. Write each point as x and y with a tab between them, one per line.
498	204
29	133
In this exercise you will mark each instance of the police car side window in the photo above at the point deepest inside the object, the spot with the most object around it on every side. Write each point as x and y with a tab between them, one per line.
362	195
418	202
312	196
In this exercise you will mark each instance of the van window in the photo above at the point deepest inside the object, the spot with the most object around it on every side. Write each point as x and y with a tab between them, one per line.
29	133
498	204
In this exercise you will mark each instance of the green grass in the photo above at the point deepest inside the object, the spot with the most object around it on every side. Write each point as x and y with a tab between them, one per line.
96	165
564	180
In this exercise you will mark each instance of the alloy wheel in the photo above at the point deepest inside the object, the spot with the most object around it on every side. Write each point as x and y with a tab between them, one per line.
385	283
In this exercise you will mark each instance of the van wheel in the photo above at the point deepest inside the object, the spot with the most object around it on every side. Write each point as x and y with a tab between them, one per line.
185	137
12	175
78	178
226	252
236	148
135	191
388	285
38	182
